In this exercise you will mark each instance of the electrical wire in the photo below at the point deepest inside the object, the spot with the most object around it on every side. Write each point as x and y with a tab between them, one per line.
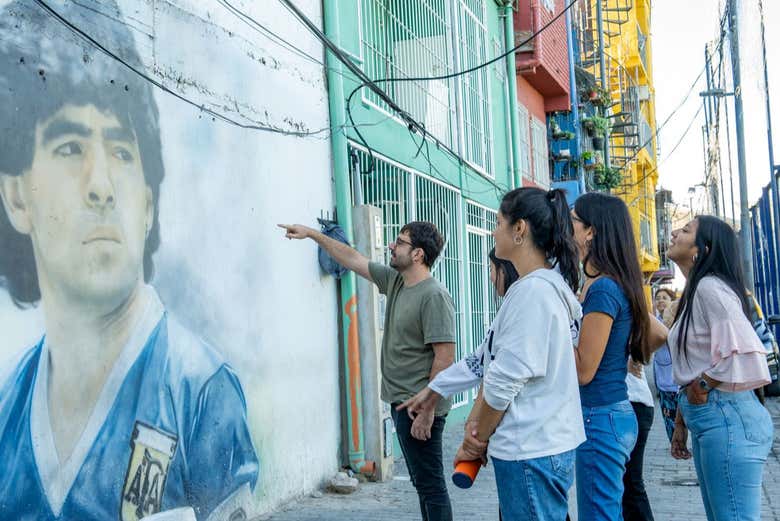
685	98
214	114
373	84
674	148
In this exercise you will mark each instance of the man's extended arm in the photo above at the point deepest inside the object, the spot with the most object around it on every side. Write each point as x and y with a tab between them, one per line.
344	254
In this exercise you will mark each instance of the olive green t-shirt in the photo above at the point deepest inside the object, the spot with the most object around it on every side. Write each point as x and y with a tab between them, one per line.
415	318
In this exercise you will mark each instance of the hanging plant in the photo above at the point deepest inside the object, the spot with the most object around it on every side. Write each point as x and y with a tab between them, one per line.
587	124
563	135
598	142
601	125
600	97
606	177
588	160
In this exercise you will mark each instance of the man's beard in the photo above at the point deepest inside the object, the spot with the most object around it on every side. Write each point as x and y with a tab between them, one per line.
400	264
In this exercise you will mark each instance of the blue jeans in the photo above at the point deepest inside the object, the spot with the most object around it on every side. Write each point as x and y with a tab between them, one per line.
534	489
731	436
611	432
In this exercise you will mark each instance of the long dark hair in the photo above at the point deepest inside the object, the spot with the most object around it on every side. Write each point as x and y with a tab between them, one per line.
613	253
547	215
37	79
719	256
506	267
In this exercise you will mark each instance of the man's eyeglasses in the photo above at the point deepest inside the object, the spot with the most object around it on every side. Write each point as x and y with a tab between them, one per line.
399	240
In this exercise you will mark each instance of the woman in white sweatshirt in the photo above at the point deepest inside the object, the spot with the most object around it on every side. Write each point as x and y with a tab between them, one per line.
528	409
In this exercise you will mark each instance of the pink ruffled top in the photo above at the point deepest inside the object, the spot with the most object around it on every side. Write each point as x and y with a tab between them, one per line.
721	341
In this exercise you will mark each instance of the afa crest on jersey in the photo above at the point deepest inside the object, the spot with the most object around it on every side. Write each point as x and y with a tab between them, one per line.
152	451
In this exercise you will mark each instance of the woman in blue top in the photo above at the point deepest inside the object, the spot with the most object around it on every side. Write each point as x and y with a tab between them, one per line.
616	324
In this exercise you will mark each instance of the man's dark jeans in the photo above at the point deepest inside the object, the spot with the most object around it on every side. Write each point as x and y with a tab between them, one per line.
636	506
424	461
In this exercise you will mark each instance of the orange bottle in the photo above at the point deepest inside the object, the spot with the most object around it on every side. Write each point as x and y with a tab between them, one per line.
466	472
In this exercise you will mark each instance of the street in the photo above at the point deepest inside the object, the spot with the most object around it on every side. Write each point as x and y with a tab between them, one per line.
671	486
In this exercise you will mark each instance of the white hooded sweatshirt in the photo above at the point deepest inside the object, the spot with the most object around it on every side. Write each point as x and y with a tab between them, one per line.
526	364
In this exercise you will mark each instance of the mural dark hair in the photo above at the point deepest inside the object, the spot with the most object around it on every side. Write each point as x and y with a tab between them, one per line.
718	256
613	253
506	267
425	235
547	214
43	68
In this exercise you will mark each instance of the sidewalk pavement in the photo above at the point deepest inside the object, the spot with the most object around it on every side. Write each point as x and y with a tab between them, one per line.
671	486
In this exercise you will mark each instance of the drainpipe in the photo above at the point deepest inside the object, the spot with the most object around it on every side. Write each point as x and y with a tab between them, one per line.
349	329
536	23
573	98
602	70
511	77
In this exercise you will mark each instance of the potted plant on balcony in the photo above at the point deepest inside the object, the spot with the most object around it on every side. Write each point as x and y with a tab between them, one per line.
596	96
601	127
600	97
588	160
587	124
606	178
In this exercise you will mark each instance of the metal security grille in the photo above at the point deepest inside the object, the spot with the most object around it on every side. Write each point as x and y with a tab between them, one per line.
421	38
524	136
541	154
475	104
410	39
483	301
406	195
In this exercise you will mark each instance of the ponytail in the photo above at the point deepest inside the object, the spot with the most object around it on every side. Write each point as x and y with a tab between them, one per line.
547	214
564	249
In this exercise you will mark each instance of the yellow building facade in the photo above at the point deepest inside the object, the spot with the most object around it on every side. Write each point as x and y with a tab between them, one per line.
615	44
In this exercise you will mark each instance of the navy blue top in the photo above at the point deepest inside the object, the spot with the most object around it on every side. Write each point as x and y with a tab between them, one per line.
609	384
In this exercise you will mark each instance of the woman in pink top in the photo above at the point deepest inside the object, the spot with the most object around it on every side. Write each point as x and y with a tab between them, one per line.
718	360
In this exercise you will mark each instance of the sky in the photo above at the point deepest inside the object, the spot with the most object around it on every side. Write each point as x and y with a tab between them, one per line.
680	30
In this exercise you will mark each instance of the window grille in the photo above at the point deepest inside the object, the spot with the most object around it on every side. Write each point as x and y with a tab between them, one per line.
540	153
406	195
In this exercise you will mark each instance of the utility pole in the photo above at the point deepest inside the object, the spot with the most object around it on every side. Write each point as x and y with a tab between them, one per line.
710	138
772	166
746	242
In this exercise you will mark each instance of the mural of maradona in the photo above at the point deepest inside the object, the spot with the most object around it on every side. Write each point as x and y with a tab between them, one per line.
118	412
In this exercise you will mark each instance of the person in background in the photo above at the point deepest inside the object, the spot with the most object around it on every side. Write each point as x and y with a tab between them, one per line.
662	362
636	505
718	360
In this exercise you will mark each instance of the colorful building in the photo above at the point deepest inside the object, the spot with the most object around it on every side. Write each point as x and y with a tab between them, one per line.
617	97
543	86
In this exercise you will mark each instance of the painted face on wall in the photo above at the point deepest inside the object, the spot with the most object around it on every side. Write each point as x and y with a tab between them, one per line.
85	204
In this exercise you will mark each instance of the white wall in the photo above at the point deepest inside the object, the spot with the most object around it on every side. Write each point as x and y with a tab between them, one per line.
223	268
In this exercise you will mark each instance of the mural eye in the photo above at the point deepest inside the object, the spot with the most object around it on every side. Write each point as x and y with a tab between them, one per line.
123	155
71	148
